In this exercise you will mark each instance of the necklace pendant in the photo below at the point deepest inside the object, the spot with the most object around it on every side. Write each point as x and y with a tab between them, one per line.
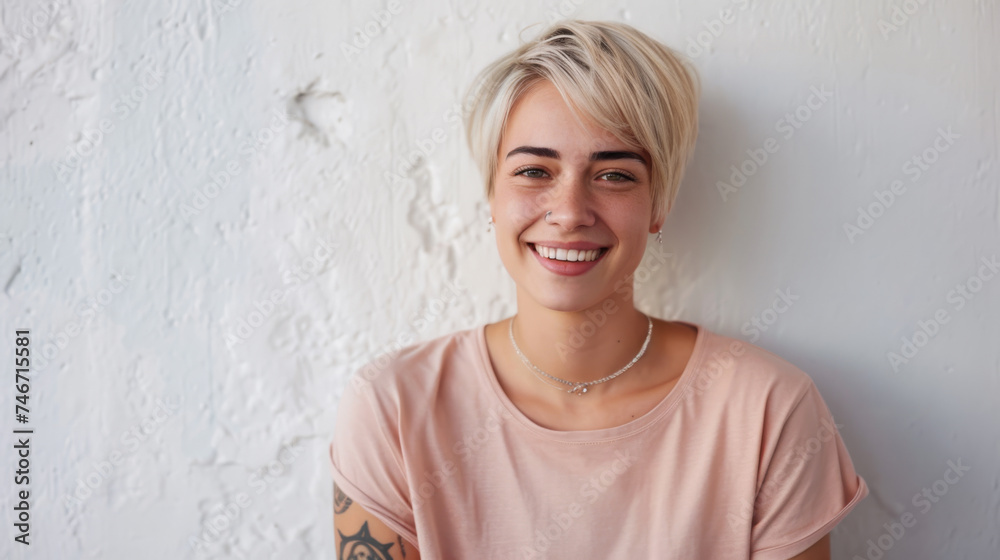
581	387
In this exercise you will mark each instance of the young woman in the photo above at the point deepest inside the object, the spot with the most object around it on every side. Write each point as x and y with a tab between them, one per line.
581	427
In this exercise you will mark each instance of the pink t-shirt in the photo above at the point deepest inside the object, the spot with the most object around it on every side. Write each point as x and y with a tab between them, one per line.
742	459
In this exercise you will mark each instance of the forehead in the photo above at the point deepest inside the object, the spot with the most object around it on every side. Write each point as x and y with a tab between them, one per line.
542	118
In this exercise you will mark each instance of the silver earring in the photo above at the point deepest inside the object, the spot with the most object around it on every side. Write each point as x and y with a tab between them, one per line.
547	216
659	237
489	224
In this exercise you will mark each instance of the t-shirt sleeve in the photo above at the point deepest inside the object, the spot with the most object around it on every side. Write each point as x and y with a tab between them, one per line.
366	459
809	483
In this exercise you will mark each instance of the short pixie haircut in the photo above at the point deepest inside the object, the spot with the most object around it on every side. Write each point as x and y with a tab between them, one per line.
638	89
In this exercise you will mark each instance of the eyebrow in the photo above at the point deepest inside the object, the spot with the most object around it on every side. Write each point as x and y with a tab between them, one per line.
595	156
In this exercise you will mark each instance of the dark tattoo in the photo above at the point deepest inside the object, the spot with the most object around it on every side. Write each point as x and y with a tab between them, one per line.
361	546
402	549
340	500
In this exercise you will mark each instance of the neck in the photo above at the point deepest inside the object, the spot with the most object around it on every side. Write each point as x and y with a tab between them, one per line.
583	345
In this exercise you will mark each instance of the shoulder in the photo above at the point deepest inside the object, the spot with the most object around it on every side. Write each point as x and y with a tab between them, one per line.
755	395
733	369
417	367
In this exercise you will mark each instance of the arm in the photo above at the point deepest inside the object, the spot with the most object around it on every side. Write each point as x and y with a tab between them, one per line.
806	489
818	551
359	534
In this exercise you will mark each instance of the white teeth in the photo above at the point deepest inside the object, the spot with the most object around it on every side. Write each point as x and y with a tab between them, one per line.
570	255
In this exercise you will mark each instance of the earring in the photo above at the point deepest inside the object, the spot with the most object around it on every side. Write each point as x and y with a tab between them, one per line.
659	237
489	224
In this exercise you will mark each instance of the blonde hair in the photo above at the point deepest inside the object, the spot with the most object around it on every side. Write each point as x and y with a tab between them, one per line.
638	89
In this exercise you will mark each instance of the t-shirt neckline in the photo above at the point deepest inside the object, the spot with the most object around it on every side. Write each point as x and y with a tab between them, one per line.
668	403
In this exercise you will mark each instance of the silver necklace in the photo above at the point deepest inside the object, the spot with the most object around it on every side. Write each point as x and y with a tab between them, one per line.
578	387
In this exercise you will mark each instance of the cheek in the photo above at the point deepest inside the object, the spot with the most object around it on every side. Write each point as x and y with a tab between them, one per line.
631	226
516	213
523	201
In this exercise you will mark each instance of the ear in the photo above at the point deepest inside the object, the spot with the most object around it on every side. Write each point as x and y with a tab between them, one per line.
656	225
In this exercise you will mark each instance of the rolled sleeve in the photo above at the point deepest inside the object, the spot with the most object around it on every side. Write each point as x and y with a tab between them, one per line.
366	460
809	483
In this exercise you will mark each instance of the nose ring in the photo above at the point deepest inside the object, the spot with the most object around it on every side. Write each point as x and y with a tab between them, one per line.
547	216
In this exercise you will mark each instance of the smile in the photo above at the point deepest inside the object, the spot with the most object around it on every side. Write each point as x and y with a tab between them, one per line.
570	255
560	260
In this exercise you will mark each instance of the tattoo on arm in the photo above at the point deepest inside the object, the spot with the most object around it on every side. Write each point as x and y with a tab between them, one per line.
340	500
361	546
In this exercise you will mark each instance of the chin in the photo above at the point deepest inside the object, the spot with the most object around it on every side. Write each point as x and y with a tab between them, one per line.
569	301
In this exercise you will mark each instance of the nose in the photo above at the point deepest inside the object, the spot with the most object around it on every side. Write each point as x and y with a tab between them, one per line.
570	202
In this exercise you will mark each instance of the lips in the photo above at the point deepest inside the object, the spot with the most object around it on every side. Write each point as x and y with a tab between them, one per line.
579	245
568	254
566	267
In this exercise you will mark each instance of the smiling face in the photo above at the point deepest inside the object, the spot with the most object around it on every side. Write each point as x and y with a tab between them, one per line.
595	185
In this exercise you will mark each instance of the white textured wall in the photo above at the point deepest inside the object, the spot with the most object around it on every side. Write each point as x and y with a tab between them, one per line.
223	319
